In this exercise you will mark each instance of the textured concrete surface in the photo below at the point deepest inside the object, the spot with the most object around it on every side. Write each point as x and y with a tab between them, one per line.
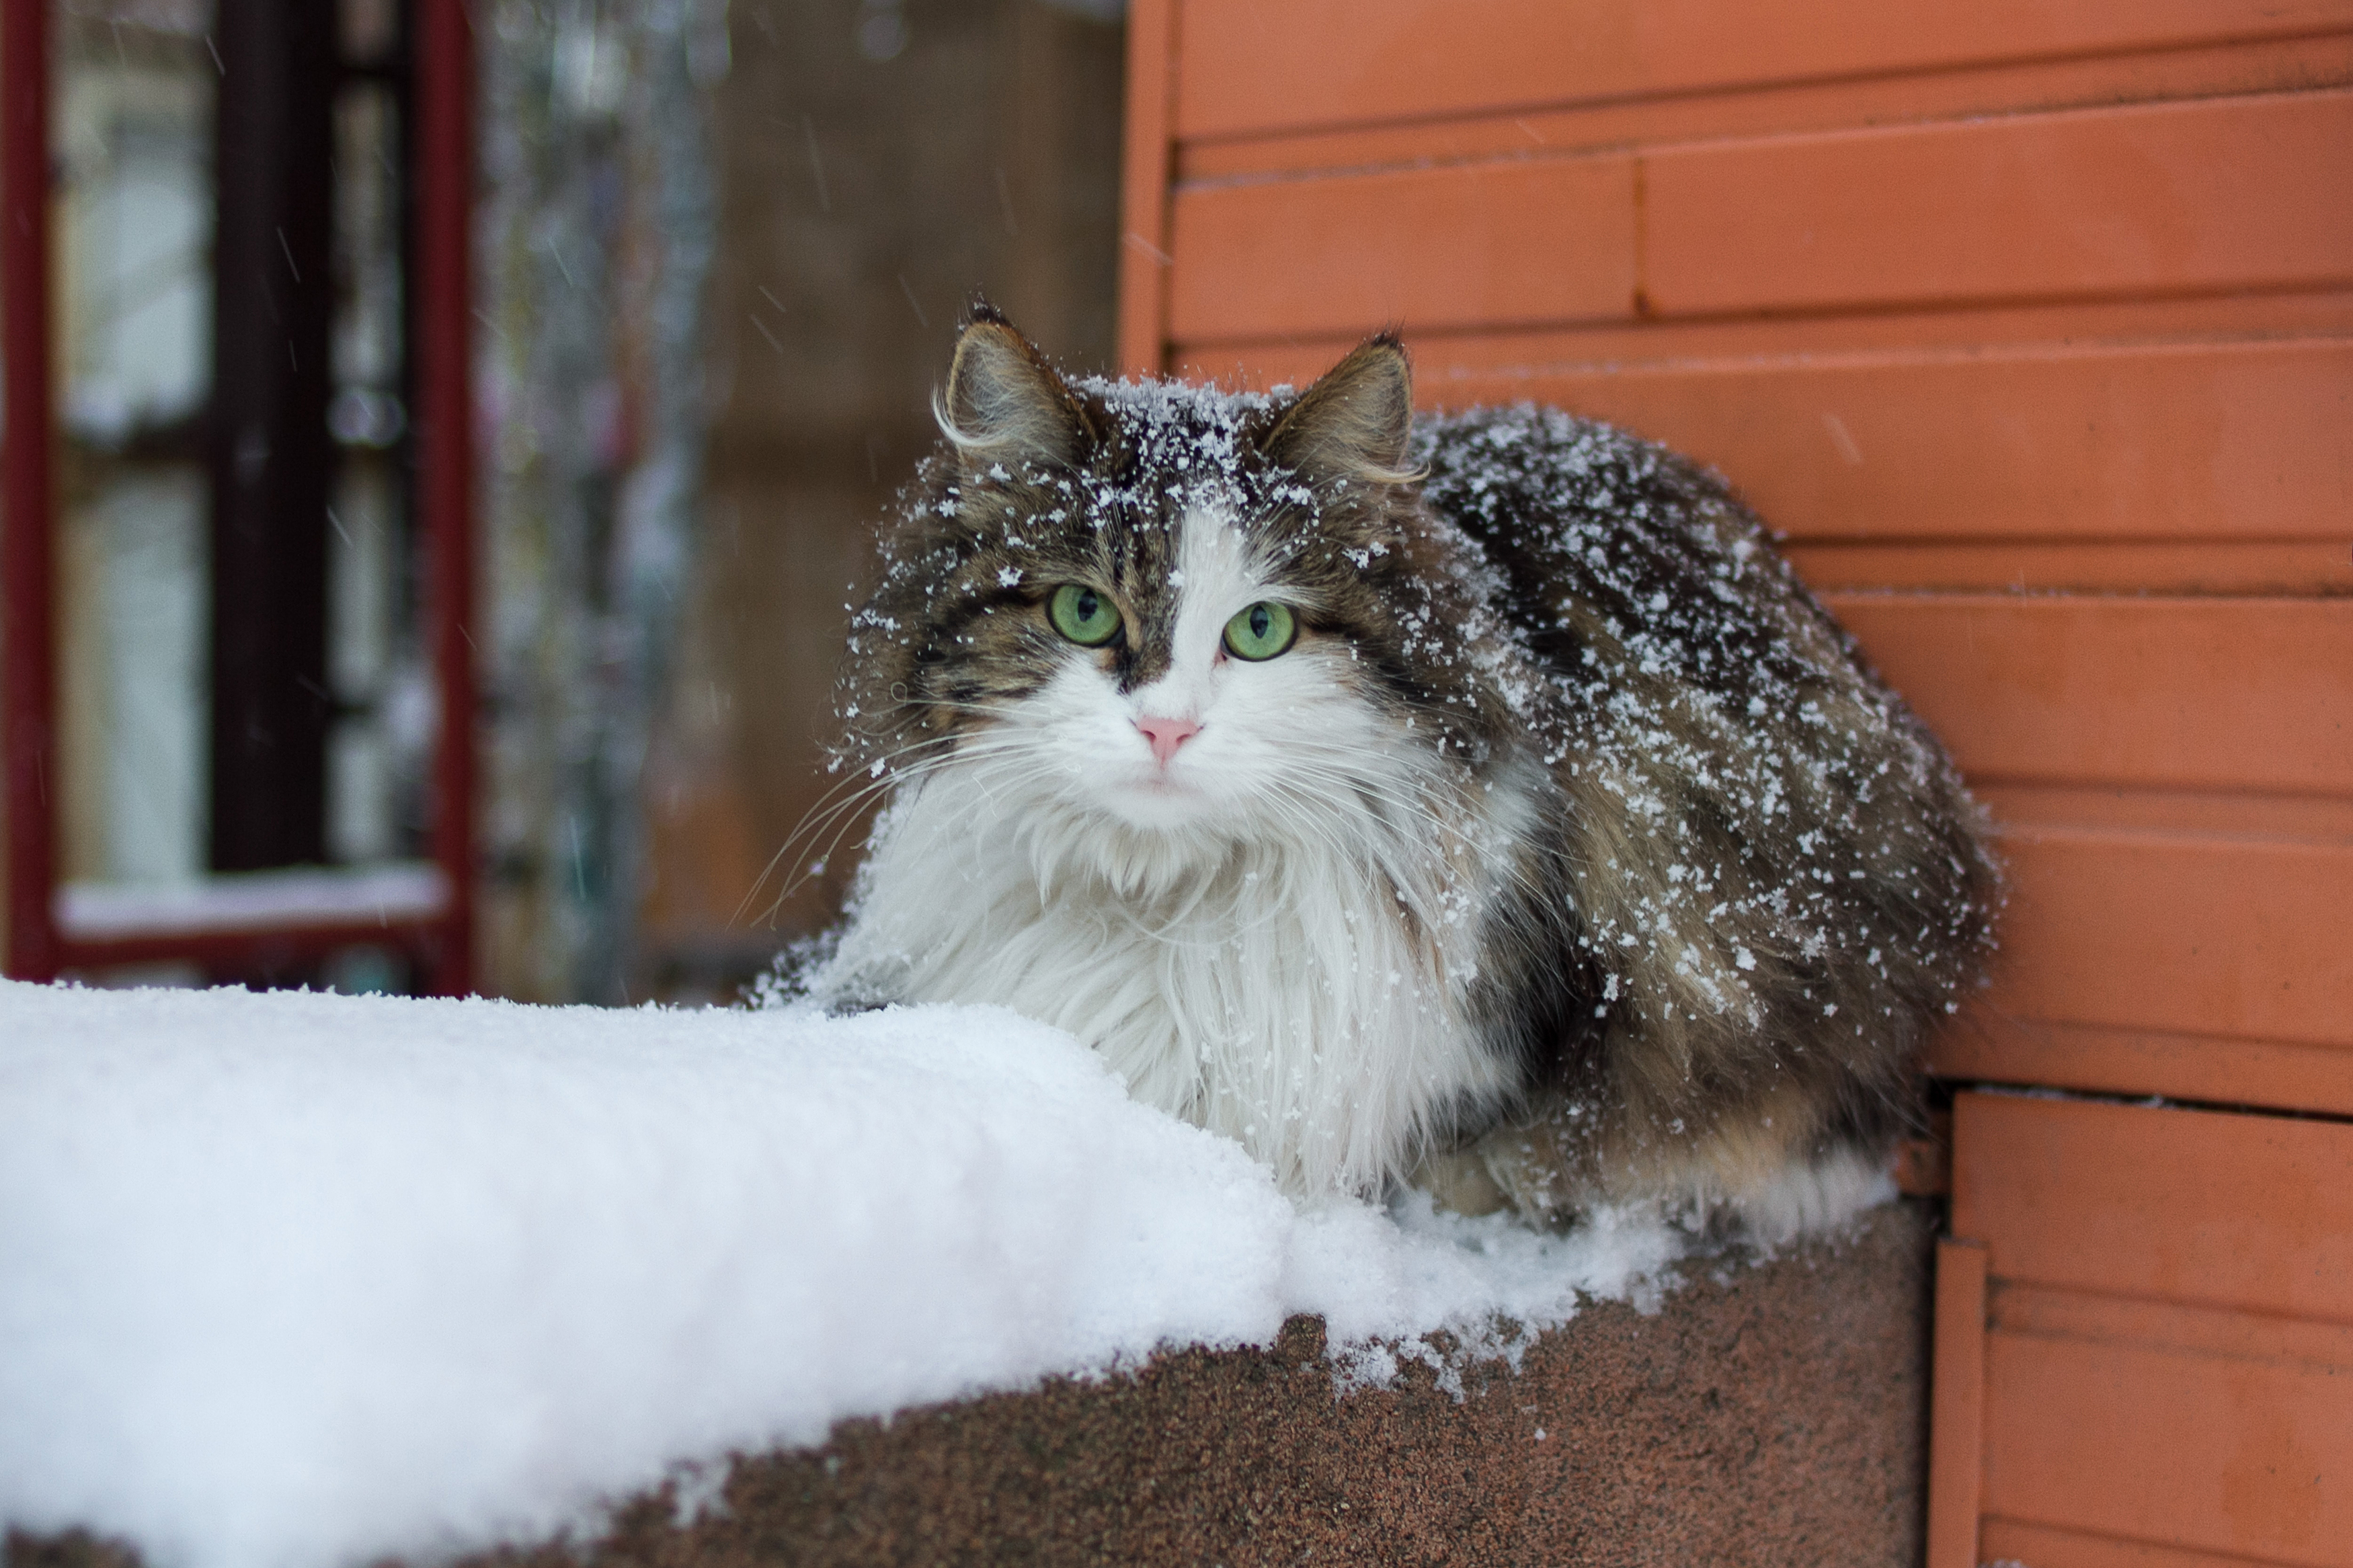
1772	1414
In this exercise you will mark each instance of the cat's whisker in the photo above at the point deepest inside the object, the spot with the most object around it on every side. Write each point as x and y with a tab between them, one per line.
994	708
1306	811
896	776
847	814
1421	812
829	808
1311	800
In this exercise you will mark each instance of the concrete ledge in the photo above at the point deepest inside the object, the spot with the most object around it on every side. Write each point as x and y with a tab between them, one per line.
1776	1417
1769	1414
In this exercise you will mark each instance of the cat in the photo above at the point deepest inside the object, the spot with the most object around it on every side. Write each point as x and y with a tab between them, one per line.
1477	800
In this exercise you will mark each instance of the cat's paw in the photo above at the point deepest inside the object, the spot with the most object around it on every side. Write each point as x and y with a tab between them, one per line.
1458	1181
1809	1198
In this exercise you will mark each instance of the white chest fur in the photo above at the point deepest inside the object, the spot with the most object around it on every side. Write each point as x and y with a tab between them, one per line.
1283	996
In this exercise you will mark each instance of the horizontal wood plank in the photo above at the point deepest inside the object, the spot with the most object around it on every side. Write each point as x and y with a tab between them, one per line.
2225	69
2247	192
1460	247
2198	1451
2186	441
2189	693
2047	1313
2250	1213
2046	446
1457	369
1985	1046
2175	935
1249	67
2027	809
2035	566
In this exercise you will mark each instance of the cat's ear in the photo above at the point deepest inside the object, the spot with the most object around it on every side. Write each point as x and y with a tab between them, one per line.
1004	403
1354	423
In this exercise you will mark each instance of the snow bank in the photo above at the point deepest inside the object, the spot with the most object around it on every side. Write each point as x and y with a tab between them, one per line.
298	1279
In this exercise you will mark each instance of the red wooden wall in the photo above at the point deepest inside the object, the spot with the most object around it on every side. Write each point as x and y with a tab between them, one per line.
2031	324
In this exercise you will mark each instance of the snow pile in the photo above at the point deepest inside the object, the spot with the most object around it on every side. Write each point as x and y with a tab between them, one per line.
303	1279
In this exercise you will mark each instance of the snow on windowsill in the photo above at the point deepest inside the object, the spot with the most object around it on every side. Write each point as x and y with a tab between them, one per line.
297	1279
255	900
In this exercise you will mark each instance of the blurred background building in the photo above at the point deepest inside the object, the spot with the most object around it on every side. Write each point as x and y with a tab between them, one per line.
720	255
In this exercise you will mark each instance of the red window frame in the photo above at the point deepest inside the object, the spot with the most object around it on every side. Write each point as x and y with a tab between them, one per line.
36	948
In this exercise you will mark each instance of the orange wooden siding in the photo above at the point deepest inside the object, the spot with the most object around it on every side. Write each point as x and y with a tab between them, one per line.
2031	324
2082	202
2100	201
2168	1348
1458	246
2178	693
2172	931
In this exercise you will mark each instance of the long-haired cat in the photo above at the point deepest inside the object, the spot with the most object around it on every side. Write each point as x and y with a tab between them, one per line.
1480	797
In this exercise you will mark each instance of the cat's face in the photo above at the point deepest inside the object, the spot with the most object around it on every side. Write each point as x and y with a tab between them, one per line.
1198	684
1168	610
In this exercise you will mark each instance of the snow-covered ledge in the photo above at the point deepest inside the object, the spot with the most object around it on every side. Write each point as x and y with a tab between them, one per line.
297	1279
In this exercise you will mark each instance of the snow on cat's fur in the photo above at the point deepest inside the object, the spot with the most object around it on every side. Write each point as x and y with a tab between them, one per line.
1568	852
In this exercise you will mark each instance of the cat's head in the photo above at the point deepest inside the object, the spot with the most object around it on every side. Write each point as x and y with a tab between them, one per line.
1175	609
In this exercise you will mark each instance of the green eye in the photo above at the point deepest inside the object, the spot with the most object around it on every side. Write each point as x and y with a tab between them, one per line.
1081	615
1261	631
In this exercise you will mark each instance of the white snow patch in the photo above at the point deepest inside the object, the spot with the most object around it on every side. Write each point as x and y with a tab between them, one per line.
298	1279
253	901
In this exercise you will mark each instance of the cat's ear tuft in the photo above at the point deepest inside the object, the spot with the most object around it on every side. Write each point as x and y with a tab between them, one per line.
1004	403
1354	424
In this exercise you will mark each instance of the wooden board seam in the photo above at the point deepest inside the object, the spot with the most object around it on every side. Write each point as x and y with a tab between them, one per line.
2001	1537
2012	1089
2155	837
1489	114
2175	1323
1946	305
1639	148
2014	352
2254	317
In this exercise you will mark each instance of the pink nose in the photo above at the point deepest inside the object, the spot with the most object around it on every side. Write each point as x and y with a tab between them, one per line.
1166	735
